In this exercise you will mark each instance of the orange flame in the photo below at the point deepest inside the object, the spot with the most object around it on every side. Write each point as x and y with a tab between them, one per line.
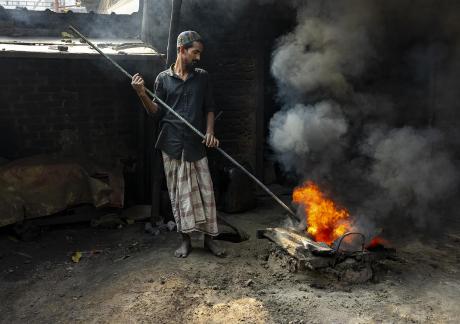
326	222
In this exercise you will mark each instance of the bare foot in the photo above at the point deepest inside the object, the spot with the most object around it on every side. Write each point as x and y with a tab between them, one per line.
185	248
213	246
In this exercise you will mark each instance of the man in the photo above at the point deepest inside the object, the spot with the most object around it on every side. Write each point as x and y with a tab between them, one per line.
187	90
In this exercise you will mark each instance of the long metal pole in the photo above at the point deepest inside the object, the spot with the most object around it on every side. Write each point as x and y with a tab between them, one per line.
195	130
173	31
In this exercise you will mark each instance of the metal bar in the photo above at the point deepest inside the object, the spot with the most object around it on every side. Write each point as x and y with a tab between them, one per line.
173	31
196	131
339	243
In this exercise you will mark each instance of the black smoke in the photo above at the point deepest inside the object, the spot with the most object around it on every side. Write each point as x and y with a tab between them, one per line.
368	90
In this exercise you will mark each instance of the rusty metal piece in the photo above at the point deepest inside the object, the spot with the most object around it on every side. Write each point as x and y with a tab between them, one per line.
311	254
289	237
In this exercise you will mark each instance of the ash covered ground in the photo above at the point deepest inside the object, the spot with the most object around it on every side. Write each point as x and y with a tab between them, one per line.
136	279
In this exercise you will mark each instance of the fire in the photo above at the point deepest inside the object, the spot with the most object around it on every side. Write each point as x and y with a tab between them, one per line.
325	221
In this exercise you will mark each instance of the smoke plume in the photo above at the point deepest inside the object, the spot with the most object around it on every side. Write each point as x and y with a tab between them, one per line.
367	91
321	53
305	133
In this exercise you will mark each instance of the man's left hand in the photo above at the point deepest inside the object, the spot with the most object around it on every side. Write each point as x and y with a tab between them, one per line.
210	140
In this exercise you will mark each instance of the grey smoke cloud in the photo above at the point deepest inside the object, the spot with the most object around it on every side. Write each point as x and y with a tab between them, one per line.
303	130
414	177
411	164
321	53
391	171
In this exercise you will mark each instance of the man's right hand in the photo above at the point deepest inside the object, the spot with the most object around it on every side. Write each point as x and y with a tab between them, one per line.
138	84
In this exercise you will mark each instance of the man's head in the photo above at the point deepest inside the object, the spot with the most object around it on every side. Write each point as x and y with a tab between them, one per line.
189	48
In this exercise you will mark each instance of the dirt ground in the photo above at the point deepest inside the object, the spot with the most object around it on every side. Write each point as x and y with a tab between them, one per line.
135	279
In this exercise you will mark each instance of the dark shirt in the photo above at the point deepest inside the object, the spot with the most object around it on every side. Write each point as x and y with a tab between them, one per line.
192	99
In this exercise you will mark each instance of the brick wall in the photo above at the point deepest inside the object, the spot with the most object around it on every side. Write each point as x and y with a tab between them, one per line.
236	91
50	104
77	106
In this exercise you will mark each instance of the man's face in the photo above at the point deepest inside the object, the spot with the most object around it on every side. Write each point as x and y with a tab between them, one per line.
192	55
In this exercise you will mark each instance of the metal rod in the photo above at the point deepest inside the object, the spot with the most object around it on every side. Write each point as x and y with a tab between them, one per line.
196	131
348	234
218	115
173	31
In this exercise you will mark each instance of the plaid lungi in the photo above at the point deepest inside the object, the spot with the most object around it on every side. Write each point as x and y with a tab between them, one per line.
192	195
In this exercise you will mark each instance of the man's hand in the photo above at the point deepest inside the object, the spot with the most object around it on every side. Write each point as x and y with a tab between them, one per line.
210	140
138	84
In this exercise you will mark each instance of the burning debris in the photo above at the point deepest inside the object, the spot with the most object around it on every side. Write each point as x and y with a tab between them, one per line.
296	251
329	241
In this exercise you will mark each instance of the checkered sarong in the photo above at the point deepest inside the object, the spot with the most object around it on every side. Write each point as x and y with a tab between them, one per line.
192	195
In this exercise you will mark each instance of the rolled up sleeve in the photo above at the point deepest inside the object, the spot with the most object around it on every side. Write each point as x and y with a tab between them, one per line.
160	92
159	89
